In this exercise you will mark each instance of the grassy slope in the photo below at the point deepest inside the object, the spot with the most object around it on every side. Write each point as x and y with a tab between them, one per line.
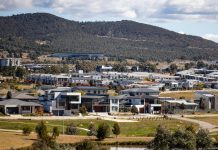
142	128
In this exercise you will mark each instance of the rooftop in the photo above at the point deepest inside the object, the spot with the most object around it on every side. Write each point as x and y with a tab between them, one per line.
16	102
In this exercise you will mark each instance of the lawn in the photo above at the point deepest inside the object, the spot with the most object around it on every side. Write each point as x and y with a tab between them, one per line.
128	129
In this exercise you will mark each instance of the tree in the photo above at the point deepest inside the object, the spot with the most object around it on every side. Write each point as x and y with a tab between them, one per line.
134	110
9	95
116	129
41	131
55	133
44	141
20	72
184	139
92	130
203	139
27	130
103	131
71	129
173	68
162	139
191	129
200	64
83	110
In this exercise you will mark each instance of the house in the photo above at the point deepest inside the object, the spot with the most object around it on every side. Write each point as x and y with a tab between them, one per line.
176	106
15	106
9	62
49	78
25	97
61	101
144	103
103	68
92	90
95	103
206	100
141	91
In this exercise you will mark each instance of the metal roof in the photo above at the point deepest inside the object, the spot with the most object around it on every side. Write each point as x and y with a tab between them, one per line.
16	102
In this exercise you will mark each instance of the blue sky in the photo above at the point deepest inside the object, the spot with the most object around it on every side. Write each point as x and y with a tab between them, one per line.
195	17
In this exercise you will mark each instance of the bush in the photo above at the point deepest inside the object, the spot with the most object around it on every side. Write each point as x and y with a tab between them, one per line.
203	139
92	130
55	133
103	131
83	110
71	129
27	130
134	110
116	129
162	139
86	145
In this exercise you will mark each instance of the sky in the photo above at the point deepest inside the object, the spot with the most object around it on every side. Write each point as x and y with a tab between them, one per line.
193	17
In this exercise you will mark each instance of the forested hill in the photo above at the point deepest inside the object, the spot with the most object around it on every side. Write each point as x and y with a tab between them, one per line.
41	33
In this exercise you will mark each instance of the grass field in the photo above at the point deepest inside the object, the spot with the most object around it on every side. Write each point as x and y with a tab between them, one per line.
211	119
128	129
190	95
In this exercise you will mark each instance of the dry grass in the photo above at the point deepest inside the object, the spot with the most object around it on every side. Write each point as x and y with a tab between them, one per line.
190	95
3	91
209	119
17	140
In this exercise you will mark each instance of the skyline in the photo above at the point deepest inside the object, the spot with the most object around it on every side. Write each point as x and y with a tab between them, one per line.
196	17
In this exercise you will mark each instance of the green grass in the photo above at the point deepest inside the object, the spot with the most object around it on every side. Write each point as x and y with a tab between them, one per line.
142	128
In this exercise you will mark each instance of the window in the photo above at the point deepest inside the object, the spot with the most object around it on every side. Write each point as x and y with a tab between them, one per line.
114	101
25	107
114	108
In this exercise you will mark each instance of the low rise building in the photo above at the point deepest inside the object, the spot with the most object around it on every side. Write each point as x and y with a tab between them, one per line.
9	62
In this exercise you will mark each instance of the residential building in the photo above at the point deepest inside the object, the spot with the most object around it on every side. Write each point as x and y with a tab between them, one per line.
15	106
141	91
92	90
61	101
9	62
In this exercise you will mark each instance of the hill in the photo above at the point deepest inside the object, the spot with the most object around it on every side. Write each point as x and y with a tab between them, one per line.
42	33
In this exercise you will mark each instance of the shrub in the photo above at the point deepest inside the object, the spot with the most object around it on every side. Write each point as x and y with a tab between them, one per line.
184	139
92	130
162	139
83	110
71	129
103	131
55	133
27	130
86	145
134	110
203	139
116	129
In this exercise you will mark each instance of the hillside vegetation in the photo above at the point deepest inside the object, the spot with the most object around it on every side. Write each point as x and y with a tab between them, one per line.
42	33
